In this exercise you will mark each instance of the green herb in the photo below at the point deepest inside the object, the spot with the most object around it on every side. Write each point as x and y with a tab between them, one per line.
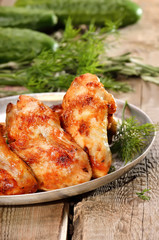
131	137
112	169
142	194
129	66
77	54
55	71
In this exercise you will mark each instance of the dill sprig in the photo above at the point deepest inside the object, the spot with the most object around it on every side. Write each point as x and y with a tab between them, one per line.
131	137
77	54
142	195
127	65
55	71
112	169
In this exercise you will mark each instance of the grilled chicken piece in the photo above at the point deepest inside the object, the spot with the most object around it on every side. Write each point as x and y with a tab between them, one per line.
15	176
86	106
111	120
34	133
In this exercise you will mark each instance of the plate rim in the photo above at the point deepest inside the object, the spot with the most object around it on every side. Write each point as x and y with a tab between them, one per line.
126	167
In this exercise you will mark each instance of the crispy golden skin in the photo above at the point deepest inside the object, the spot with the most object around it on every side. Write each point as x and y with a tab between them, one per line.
15	176
86	107
3	129
34	133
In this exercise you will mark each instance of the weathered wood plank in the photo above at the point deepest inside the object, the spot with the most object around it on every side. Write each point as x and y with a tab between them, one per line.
150	100
131	97
107	211
47	221
114	211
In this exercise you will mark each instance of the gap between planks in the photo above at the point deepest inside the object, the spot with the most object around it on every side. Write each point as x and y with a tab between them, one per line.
47	221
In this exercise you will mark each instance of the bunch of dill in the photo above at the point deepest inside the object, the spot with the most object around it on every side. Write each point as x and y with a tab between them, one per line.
131	137
76	54
54	71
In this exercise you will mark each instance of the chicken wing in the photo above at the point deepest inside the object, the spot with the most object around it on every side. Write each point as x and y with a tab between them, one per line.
86	106
15	176
34	133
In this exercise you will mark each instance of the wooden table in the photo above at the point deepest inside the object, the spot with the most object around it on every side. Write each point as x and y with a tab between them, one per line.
113	211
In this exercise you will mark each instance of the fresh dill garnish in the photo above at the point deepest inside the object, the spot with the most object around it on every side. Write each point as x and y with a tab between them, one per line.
127	65
112	169
131	137
142	194
77	54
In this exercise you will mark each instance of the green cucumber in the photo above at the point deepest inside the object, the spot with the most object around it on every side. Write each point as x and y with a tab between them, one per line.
86	11
23	44
36	19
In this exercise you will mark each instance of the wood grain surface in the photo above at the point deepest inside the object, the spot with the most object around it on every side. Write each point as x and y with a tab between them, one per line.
40	222
114	211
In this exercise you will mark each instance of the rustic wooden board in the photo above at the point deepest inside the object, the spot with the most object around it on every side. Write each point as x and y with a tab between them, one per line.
114	211
150	100
43	222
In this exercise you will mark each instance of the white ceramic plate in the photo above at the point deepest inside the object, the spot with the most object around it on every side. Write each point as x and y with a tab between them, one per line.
39	197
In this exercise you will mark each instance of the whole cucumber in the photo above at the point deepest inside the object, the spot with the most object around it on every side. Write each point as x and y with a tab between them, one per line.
23	44
86	11
37	19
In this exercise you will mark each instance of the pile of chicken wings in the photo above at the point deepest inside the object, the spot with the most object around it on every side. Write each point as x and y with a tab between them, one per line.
43	148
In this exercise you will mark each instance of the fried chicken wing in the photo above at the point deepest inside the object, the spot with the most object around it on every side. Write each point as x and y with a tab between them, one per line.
86	107
34	133
15	176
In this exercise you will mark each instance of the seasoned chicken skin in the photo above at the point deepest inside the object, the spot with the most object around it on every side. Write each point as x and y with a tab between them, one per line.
15	176
59	110
34	133
86	107
3	129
